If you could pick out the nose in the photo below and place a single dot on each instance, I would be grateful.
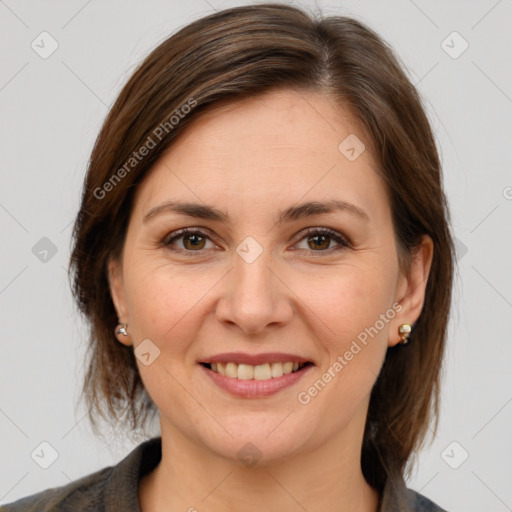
(254, 297)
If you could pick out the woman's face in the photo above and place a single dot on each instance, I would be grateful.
(255, 282)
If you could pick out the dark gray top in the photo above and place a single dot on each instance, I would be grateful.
(115, 489)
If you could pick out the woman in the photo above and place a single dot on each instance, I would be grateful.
(264, 256)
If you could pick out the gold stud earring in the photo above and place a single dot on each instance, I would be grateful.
(121, 329)
(404, 331)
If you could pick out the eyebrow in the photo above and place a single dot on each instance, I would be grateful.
(202, 211)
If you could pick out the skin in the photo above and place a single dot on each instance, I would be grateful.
(252, 159)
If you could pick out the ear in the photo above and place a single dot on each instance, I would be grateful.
(117, 292)
(411, 288)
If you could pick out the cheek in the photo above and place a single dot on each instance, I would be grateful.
(350, 300)
(164, 302)
(163, 306)
(354, 310)
(154, 304)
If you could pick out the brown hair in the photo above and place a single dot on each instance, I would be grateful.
(239, 53)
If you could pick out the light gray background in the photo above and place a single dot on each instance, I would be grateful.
(51, 111)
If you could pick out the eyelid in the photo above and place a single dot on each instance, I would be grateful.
(339, 237)
(204, 232)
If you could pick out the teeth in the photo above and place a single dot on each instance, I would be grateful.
(260, 372)
(232, 370)
(287, 368)
(245, 371)
(276, 369)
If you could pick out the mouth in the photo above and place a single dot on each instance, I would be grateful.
(266, 371)
(269, 375)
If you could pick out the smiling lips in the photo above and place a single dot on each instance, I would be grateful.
(259, 372)
(254, 376)
(237, 365)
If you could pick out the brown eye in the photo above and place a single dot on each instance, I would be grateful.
(192, 240)
(319, 240)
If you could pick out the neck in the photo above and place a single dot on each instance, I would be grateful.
(191, 477)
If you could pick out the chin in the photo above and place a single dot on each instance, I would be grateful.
(247, 441)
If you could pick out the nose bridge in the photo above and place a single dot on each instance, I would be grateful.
(252, 267)
(252, 277)
(254, 297)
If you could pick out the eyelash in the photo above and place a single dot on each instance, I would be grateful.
(330, 233)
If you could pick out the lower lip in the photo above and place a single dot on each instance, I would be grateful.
(252, 388)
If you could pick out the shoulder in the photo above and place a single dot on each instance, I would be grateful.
(397, 497)
(111, 488)
(83, 494)
(419, 503)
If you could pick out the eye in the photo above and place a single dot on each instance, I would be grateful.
(193, 240)
(319, 240)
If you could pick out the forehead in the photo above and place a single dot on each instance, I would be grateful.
(281, 145)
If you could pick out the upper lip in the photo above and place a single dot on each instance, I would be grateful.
(255, 359)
